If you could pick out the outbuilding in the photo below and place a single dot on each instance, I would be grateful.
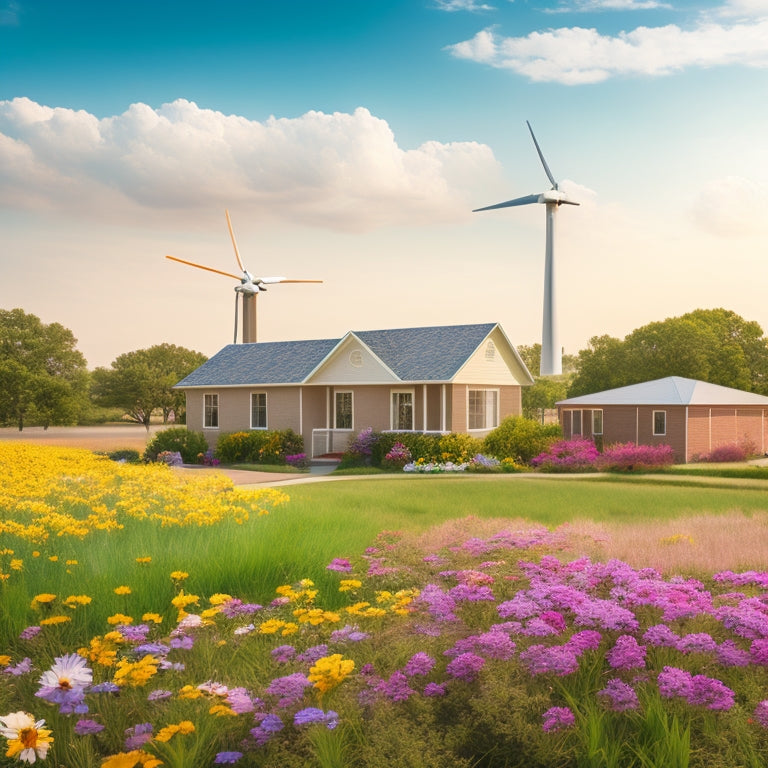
(694, 417)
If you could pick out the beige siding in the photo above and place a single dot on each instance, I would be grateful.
(352, 363)
(497, 369)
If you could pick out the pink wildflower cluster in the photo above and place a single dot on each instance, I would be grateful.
(628, 456)
(577, 455)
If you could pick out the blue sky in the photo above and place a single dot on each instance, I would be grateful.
(350, 142)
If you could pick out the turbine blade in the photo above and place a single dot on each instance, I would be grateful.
(200, 266)
(234, 242)
(527, 200)
(541, 157)
(270, 280)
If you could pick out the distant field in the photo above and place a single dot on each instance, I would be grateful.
(101, 438)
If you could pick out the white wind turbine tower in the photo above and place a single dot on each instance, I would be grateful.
(551, 351)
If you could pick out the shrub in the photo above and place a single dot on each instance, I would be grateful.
(459, 447)
(188, 444)
(298, 460)
(426, 447)
(360, 450)
(625, 457)
(125, 456)
(520, 439)
(171, 458)
(567, 456)
(397, 457)
(260, 446)
(729, 452)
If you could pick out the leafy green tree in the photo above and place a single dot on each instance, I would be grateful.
(544, 393)
(43, 377)
(714, 345)
(142, 381)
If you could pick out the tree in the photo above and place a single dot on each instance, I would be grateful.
(141, 382)
(544, 393)
(714, 345)
(43, 377)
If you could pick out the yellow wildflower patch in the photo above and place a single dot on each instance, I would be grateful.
(135, 674)
(330, 671)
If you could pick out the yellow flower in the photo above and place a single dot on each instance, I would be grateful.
(329, 671)
(135, 674)
(5, 660)
(131, 759)
(220, 710)
(143, 560)
(54, 558)
(43, 599)
(55, 620)
(190, 692)
(153, 617)
(218, 599)
(122, 590)
(270, 626)
(179, 575)
(166, 734)
(72, 562)
(119, 618)
(74, 600)
(16, 564)
(345, 585)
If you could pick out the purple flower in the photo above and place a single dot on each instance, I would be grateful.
(269, 725)
(661, 636)
(420, 663)
(185, 642)
(559, 659)
(696, 642)
(434, 689)
(137, 736)
(24, 666)
(339, 564)
(730, 655)
(465, 666)
(290, 688)
(311, 655)
(619, 695)
(627, 653)
(235, 607)
(348, 634)
(240, 701)
(87, 727)
(558, 719)
(159, 694)
(104, 688)
(396, 688)
(134, 634)
(154, 649)
(29, 633)
(227, 757)
(761, 713)
(283, 653)
(311, 715)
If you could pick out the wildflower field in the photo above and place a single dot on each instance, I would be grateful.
(147, 619)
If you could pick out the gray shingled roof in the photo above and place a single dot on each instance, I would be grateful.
(426, 354)
(279, 362)
(673, 390)
(412, 354)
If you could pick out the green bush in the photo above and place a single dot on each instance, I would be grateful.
(188, 444)
(425, 447)
(259, 446)
(459, 447)
(520, 439)
(125, 455)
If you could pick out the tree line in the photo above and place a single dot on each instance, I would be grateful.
(44, 379)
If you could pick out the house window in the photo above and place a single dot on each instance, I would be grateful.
(211, 411)
(402, 411)
(343, 415)
(483, 409)
(575, 423)
(258, 410)
(659, 422)
(597, 422)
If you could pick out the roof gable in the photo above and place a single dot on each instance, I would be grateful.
(351, 362)
(673, 390)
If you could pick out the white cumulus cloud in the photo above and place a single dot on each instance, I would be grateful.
(732, 207)
(340, 171)
(576, 55)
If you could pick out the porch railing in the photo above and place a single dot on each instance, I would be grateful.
(330, 441)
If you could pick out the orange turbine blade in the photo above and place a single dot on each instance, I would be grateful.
(200, 266)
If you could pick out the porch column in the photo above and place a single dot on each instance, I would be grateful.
(442, 407)
(424, 406)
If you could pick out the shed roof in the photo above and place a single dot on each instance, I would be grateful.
(672, 390)
(413, 354)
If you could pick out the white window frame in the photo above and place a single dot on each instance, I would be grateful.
(214, 409)
(655, 433)
(595, 431)
(581, 425)
(259, 394)
(490, 415)
(351, 408)
(393, 420)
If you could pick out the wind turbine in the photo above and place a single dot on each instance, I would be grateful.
(551, 351)
(249, 288)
